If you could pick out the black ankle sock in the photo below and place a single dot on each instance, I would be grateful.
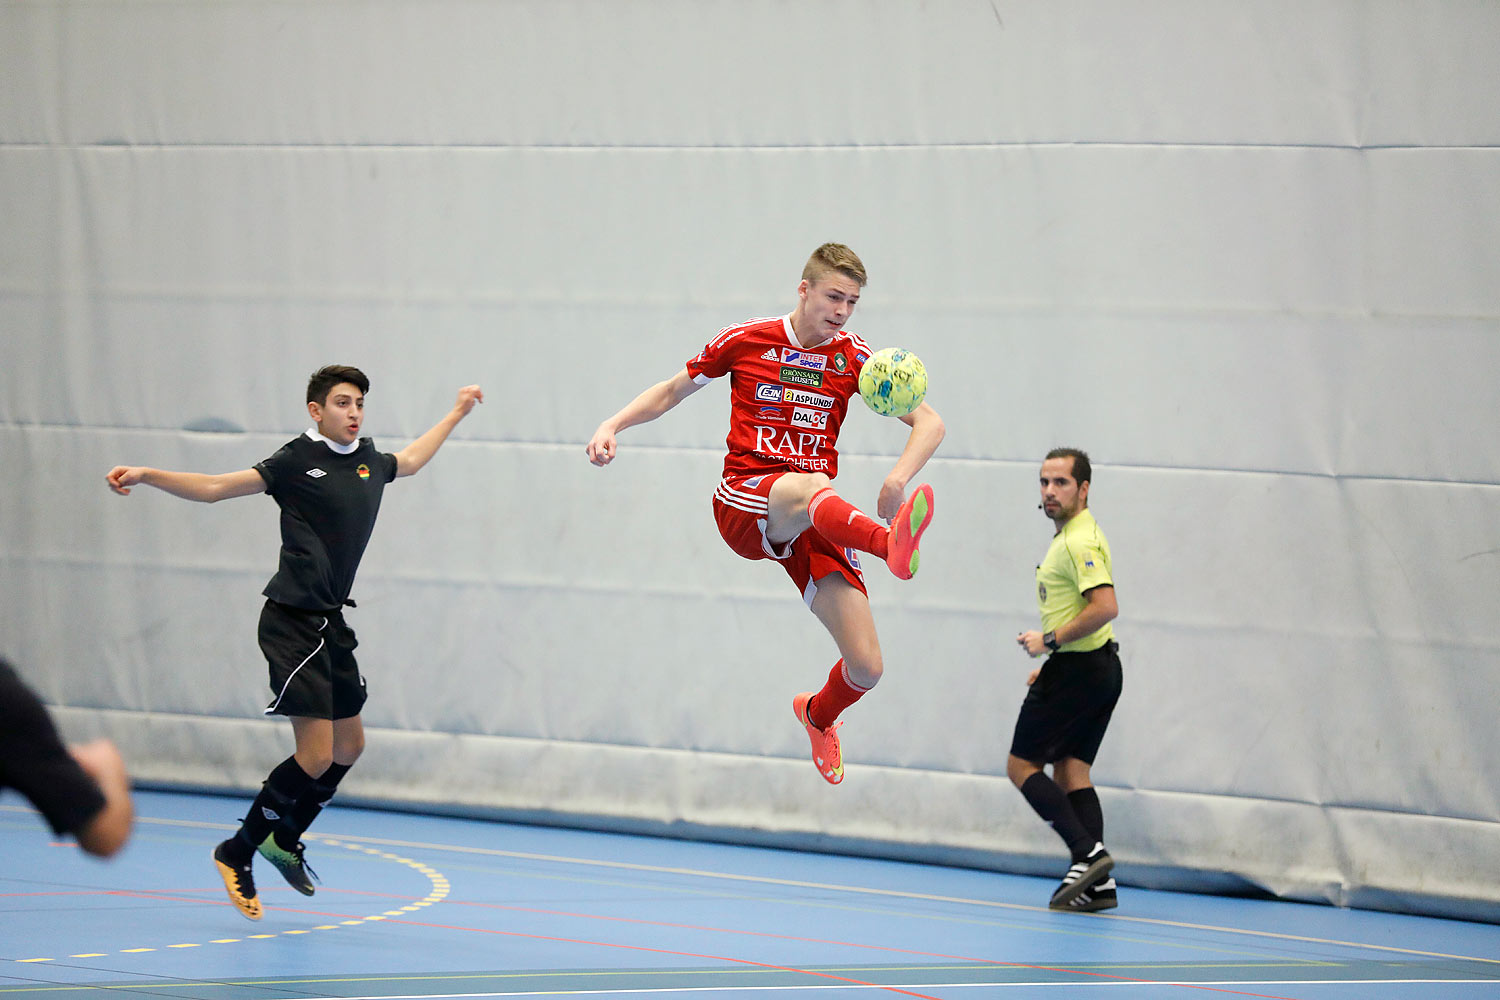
(235, 852)
(1049, 802)
(1085, 803)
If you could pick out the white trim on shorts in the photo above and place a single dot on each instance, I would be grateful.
(271, 708)
(753, 503)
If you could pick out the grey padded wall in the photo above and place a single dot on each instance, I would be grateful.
(1243, 253)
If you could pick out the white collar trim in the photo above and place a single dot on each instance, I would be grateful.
(342, 449)
(791, 336)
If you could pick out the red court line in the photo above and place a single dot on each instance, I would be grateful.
(326, 915)
(658, 951)
(322, 914)
(847, 944)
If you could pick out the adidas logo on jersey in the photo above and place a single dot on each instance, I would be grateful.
(316, 473)
(770, 355)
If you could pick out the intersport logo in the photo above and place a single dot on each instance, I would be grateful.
(801, 359)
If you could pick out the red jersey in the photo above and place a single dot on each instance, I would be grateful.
(786, 401)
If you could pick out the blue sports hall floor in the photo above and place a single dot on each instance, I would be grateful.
(423, 906)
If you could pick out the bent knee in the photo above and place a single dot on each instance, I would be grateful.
(805, 484)
(313, 764)
(865, 671)
(1019, 770)
(348, 752)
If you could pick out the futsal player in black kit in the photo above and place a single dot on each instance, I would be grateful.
(328, 483)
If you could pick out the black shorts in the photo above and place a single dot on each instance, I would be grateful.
(1068, 708)
(311, 656)
(35, 763)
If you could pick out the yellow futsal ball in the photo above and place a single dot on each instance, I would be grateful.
(893, 382)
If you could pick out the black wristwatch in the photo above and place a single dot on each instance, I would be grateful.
(1050, 641)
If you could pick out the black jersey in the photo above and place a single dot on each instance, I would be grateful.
(328, 505)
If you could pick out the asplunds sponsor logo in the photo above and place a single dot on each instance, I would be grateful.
(813, 419)
(769, 392)
(801, 397)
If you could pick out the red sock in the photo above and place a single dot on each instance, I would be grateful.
(844, 524)
(838, 694)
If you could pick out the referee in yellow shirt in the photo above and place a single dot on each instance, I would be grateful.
(1073, 693)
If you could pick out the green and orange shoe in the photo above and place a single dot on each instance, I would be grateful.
(906, 533)
(827, 756)
(292, 865)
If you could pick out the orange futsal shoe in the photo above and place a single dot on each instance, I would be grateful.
(906, 533)
(826, 754)
(239, 883)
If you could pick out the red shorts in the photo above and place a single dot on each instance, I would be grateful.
(740, 507)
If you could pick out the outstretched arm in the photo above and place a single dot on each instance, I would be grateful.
(644, 408)
(417, 454)
(187, 485)
(926, 434)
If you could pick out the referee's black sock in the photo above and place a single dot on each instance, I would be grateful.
(278, 797)
(1085, 802)
(1049, 802)
(310, 805)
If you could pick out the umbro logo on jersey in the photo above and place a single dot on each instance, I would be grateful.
(770, 355)
(316, 473)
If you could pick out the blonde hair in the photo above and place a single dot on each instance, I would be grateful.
(831, 257)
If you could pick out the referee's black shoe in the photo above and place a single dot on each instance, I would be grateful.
(292, 865)
(238, 882)
(1082, 876)
(1099, 896)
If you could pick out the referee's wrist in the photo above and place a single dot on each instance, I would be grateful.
(1049, 639)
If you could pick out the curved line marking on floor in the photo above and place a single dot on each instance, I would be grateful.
(439, 892)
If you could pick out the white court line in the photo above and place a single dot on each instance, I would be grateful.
(861, 890)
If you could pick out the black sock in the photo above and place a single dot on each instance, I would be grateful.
(310, 805)
(1052, 805)
(1085, 802)
(277, 799)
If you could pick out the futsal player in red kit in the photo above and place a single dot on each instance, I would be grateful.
(790, 382)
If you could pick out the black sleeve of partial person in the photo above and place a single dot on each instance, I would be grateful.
(34, 761)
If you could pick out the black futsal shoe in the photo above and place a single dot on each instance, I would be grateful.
(1101, 896)
(1083, 875)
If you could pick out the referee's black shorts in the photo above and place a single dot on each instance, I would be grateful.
(311, 658)
(1068, 708)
